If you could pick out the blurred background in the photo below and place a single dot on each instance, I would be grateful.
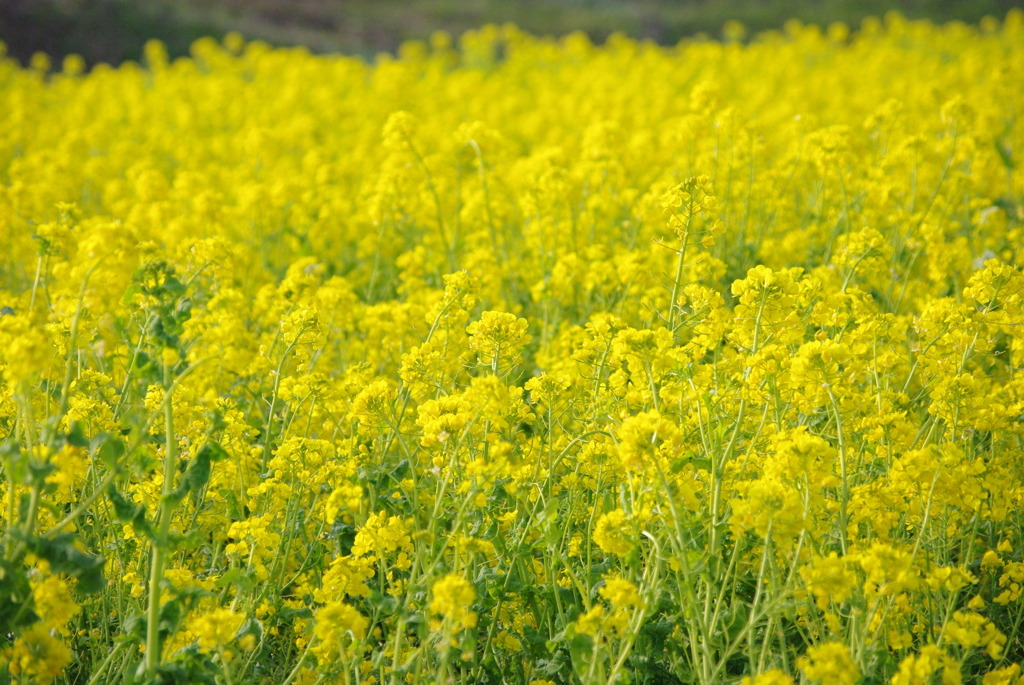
(115, 30)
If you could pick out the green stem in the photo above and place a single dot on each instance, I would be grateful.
(159, 544)
(672, 306)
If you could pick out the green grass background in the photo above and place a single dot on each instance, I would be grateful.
(115, 30)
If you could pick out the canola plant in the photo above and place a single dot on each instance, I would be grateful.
(517, 360)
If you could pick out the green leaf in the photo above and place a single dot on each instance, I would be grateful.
(126, 512)
(109, 450)
(234, 508)
(288, 614)
(64, 556)
(197, 472)
(75, 436)
(552, 666)
(171, 614)
(39, 470)
(386, 604)
(15, 597)
(250, 627)
(1005, 154)
(189, 666)
(237, 577)
(580, 649)
(15, 463)
(134, 626)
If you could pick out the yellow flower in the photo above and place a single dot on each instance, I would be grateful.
(346, 577)
(26, 349)
(969, 629)
(338, 626)
(1007, 675)
(37, 655)
(829, 579)
(452, 597)
(773, 676)
(755, 340)
(621, 593)
(216, 629)
(384, 536)
(498, 337)
(829, 662)
(918, 668)
(645, 439)
(613, 533)
(53, 602)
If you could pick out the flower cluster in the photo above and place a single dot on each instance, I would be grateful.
(517, 359)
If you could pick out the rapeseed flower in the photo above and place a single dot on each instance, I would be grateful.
(517, 359)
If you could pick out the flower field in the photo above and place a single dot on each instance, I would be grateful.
(517, 360)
